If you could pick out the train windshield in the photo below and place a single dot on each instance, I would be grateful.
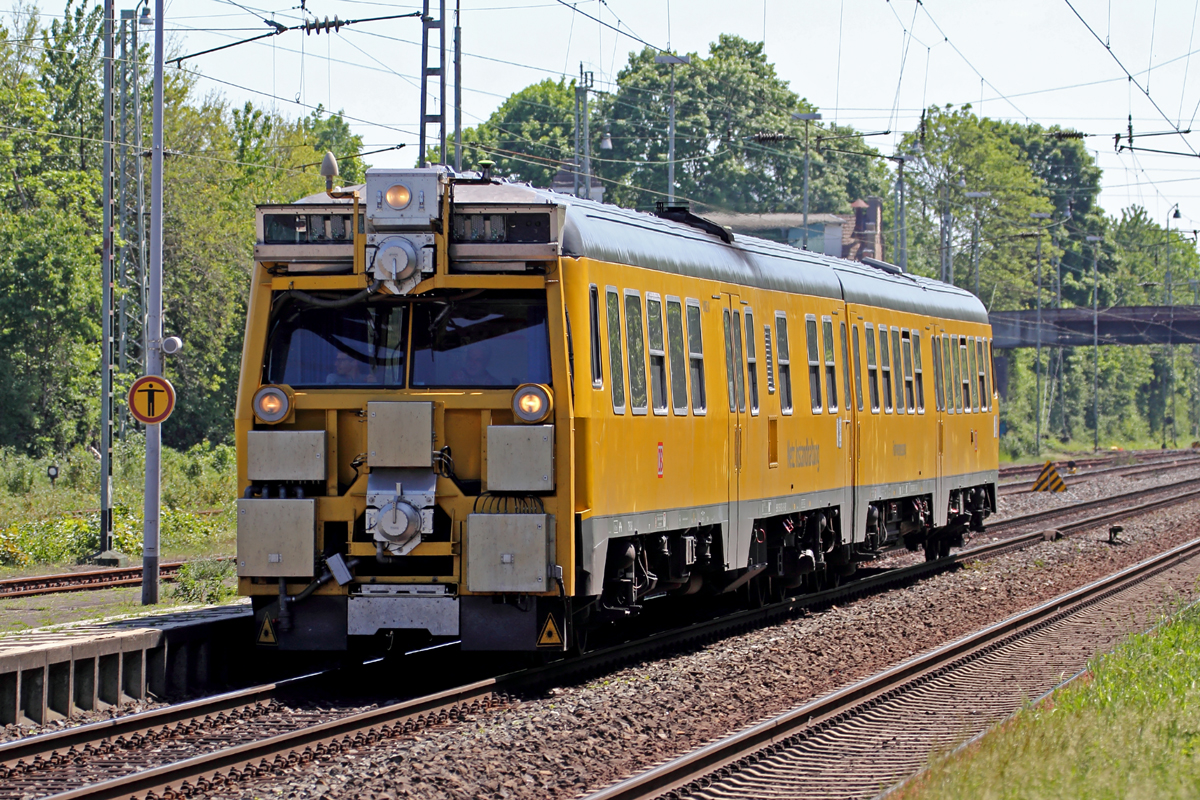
(495, 340)
(362, 345)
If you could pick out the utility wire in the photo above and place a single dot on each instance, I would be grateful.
(1129, 74)
(611, 27)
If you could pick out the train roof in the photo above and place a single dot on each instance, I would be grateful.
(619, 235)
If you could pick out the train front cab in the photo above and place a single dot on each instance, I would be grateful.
(404, 425)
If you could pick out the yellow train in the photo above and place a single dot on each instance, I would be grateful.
(478, 410)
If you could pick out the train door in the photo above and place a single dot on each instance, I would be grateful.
(943, 400)
(847, 434)
(735, 380)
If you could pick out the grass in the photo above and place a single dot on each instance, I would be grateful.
(44, 524)
(1130, 730)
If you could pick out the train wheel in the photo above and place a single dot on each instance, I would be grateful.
(757, 591)
(943, 547)
(932, 545)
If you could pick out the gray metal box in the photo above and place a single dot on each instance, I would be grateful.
(520, 458)
(509, 552)
(285, 455)
(423, 207)
(399, 434)
(276, 538)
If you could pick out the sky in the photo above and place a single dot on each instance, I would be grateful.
(1088, 65)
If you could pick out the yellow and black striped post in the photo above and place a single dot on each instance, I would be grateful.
(1048, 480)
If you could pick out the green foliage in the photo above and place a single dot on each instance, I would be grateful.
(205, 581)
(529, 137)
(1128, 731)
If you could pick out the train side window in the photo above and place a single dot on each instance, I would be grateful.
(951, 349)
(751, 363)
(966, 373)
(676, 345)
(657, 351)
(729, 361)
(983, 392)
(696, 357)
(845, 364)
(739, 371)
(814, 362)
(830, 365)
(612, 307)
(939, 398)
(990, 372)
(948, 371)
(898, 371)
(872, 369)
(918, 372)
(858, 390)
(783, 359)
(885, 366)
(974, 373)
(909, 392)
(594, 311)
(635, 347)
(770, 361)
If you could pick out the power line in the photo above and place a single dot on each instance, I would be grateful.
(1132, 80)
(629, 34)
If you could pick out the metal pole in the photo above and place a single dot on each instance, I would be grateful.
(457, 88)
(903, 263)
(671, 144)
(424, 77)
(154, 324)
(106, 277)
(575, 158)
(805, 184)
(442, 83)
(1095, 343)
(1037, 447)
(975, 251)
(587, 142)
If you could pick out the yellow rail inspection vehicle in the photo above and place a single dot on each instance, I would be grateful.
(477, 410)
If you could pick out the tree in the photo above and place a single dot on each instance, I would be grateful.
(530, 137)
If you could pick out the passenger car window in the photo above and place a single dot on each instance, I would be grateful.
(677, 345)
(658, 355)
(966, 373)
(830, 365)
(782, 349)
(983, 392)
(872, 369)
(814, 362)
(845, 363)
(898, 372)
(909, 390)
(612, 307)
(739, 372)
(596, 347)
(696, 357)
(858, 390)
(919, 372)
(729, 380)
(885, 366)
(751, 362)
(637, 353)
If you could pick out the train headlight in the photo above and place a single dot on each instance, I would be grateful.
(532, 402)
(271, 404)
(398, 196)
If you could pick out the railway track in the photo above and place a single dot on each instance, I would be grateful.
(1016, 487)
(1144, 458)
(77, 581)
(882, 729)
(181, 751)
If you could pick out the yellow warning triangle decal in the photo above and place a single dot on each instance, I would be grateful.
(550, 636)
(266, 633)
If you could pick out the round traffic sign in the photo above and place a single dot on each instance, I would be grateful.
(151, 399)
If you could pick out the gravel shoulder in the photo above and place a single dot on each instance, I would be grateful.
(578, 738)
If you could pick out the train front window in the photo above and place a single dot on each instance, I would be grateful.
(485, 341)
(363, 345)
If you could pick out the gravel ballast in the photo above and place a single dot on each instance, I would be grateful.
(579, 738)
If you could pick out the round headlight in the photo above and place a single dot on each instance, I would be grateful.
(271, 404)
(532, 403)
(398, 196)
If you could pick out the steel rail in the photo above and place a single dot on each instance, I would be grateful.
(727, 752)
(84, 580)
(1038, 517)
(213, 768)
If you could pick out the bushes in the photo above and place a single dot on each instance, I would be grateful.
(205, 581)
